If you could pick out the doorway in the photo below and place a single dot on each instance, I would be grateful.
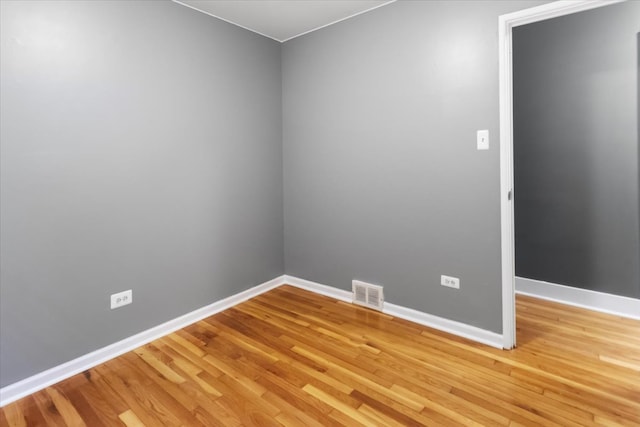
(506, 25)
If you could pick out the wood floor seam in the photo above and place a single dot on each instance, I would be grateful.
(290, 357)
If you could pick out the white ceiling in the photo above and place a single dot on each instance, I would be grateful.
(283, 20)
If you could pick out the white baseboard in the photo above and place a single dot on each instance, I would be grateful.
(592, 300)
(319, 288)
(58, 373)
(473, 333)
(44, 379)
(450, 326)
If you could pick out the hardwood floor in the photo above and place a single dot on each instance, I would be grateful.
(294, 358)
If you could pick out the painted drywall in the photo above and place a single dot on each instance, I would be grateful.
(382, 179)
(140, 150)
(576, 150)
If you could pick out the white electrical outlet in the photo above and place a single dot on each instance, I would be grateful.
(450, 282)
(121, 298)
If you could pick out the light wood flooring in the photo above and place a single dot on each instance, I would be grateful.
(294, 358)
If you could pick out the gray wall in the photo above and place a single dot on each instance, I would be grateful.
(382, 179)
(140, 150)
(576, 150)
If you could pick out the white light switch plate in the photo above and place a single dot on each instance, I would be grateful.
(483, 139)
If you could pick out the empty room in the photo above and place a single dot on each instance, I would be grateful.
(319, 213)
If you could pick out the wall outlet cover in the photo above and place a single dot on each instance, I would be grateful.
(121, 298)
(450, 282)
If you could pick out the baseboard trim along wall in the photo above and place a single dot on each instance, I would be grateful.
(61, 372)
(450, 326)
(592, 300)
(58, 373)
(318, 288)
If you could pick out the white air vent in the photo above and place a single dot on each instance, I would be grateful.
(367, 295)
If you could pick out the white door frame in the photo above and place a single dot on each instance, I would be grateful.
(506, 24)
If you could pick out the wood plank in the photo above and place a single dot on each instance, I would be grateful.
(338, 405)
(130, 419)
(290, 357)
